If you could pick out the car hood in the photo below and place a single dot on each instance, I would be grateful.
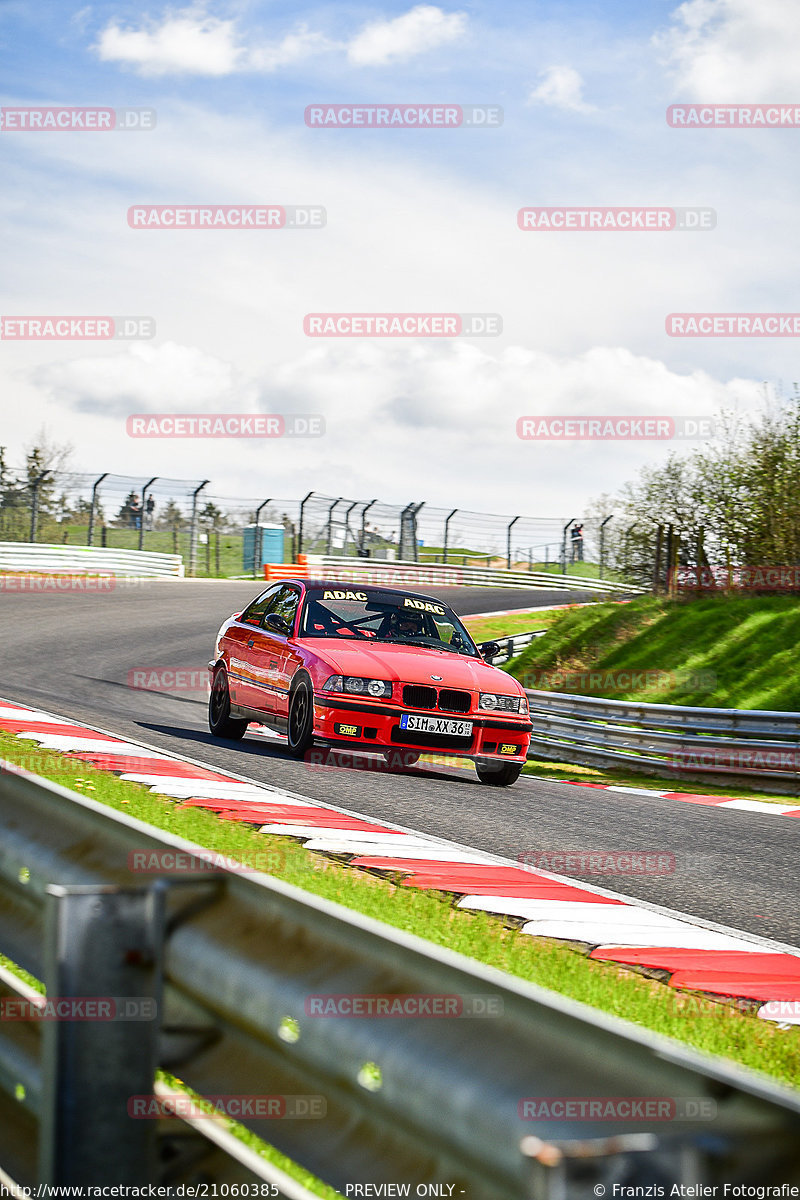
(412, 664)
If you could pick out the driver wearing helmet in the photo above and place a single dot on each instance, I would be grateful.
(403, 624)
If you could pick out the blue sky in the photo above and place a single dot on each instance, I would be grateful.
(417, 221)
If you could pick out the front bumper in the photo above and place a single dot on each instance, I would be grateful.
(366, 725)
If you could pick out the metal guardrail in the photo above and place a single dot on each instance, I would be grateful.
(403, 573)
(228, 964)
(86, 560)
(758, 746)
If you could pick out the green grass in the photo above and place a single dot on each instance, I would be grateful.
(722, 652)
(484, 628)
(714, 1027)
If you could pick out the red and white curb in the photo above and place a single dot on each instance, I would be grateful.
(699, 956)
(757, 806)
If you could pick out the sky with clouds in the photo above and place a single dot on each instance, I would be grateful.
(418, 220)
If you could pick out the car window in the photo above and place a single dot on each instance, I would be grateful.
(254, 613)
(285, 602)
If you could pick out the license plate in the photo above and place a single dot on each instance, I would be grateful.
(445, 725)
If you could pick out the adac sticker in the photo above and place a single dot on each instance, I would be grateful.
(342, 595)
(423, 606)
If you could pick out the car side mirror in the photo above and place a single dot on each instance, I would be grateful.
(489, 650)
(276, 623)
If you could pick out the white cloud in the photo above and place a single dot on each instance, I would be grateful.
(190, 42)
(561, 87)
(423, 28)
(728, 50)
(145, 378)
(185, 42)
(448, 408)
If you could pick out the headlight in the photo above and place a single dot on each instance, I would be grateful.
(356, 686)
(504, 703)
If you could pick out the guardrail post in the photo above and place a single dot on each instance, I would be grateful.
(193, 528)
(101, 942)
(92, 510)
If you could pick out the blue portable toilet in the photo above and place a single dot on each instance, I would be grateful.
(270, 551)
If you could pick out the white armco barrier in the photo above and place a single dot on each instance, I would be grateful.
(86, 560)
(411, 574)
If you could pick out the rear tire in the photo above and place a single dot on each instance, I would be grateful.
(300, 725)
(398, 760)
(502, 776)
(220, 721)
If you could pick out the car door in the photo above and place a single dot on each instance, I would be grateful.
(244, 651)
(287, 660)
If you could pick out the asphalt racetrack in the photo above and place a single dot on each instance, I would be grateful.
(72, 653)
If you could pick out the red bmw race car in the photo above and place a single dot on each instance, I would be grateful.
(367, 668)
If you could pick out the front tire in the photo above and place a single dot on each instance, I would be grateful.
(502, 776)
(300, 725)
(220, 721)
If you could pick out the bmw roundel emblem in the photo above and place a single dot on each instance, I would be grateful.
(438, 677)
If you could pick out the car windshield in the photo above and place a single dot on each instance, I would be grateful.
(357, 614)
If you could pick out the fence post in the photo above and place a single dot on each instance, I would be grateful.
(97, 483)
(143, 517)
(603, 543)
(303, 503)
(564, 545)
(257, 534)
(35, 485)
(627, 536)
(329, 549)
(447, 534)
(193, 528)
(363, 542)
(347, 528)
(508, 541)
(101, 942)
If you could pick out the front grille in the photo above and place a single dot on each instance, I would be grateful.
(432, 741)
(450, 701)
(417, 696)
